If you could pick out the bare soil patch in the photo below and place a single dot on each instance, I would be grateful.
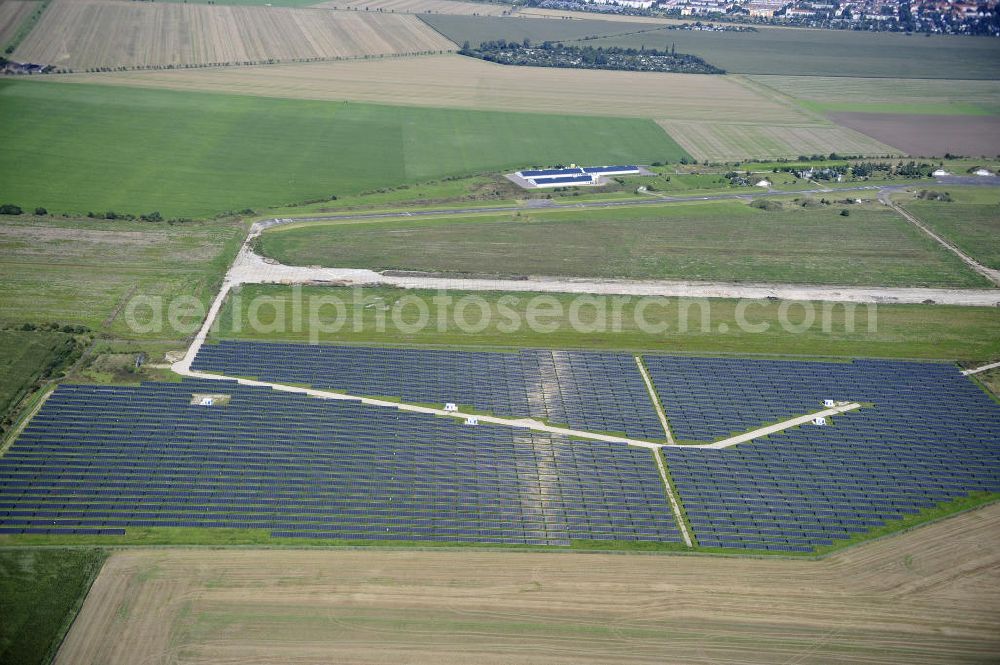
(929, 596)
(928, 135)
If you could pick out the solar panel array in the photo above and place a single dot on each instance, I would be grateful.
(550, 172)
(100, 459)
(566, 179)
(713, 398)
(931, 436)
(585, 390)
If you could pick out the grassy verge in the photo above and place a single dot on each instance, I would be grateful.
(88, 271)
(372, 317)
(971, 220)
(41, 592)
(671, 488)
(27, 360)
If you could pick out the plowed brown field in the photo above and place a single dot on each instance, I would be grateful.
(929, 596)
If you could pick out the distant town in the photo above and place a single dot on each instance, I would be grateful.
(929, 16)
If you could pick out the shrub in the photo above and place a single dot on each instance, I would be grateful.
(766, 204)
(10, 209)
(845, 213)
(41, 212)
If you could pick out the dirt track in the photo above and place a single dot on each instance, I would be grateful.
(932, 595)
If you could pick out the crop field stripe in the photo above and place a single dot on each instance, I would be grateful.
(13, 15)
(420, 7)
(454, 81)
(85, 34)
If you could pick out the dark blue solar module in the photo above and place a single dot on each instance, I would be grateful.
(99, 459)
(562, 179)
(585, 390)
(609, 169)
(931, 435)
(547, 172)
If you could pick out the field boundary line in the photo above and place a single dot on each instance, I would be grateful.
(674, 503)
(657, 404)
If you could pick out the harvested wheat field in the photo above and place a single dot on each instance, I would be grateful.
(12, 14)
(421, 7)
(86, 34)
(930, 596)
(454, 81)
(733, 141)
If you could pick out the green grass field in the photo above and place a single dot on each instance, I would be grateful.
(85, 271)
(41, 590)
(26, 357)
(899, 331)
(81, 148)
(971, 221)
(879, 95)
(794, 52)
(709, 241)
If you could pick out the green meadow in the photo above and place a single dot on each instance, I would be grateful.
(728, 241)
(82, 148)
(387, 317)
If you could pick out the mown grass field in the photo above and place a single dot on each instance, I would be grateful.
(788, 52)
(92, 148)
(41, 591)
(971, 221)
(84, 34)
(26, 357)
(899, 331)
(85, 272)
(728, 241)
